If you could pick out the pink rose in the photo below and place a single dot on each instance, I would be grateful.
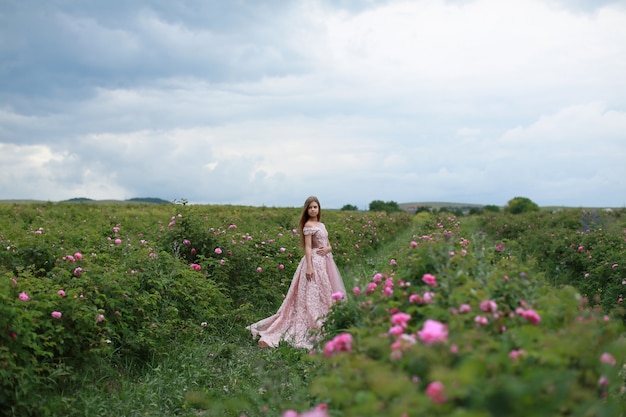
(337, 296)
(532, 316)
(400, 319)
(465, 308)
(340, 343)
(488, 306)
(416, 298)
(56, 314)
(435, 392)
(430, 279)
(24, 297)
(608, 358)
(433, 332)
(396, 330)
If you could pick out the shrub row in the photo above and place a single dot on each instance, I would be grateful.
(80, 282)
(457, 324)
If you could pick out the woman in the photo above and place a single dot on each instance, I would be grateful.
(310, 294)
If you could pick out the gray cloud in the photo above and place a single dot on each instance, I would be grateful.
(267, 102)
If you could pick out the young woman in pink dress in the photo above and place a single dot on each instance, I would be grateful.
(310, 294)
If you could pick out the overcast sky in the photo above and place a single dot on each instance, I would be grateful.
(267, 102)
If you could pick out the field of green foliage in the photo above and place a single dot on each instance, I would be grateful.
(139, 309)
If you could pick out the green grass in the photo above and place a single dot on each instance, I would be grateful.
(226, 375)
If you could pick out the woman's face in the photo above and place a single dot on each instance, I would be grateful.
(313, 209)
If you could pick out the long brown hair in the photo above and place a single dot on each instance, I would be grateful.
(304, 217)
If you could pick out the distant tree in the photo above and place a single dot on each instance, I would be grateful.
(389, 206)
(349, 207)
(519, 205)
(492, 208)
(80, 199)
(148, 200)
(423, 209)
(475, 210)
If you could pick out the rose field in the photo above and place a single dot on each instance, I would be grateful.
(136, 309)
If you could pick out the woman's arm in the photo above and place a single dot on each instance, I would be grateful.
(307, 254)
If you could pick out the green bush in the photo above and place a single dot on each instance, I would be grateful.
(507, 344)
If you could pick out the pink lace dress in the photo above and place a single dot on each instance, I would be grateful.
(306, 302)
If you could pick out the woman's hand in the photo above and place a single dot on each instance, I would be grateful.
(323, 251)
(309, 274)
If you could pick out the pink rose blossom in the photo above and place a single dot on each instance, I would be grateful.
(400, 319)
(118, 241)
(356, 291)
(78, 256)
(24, 297)
(608, 358)
(481, 320)
(429, 279)
(195, 266)
(516, 353)
(435, 392)
(433, 332)
(100, 318)
(416, 298)
(465, 308)
(340, 343)
(61, 293)
(396, 330)
(259, 269)
(392, 262)
(186, 242)
(337, 296)
(532, 316)
(413, 244)
(78, 271)
(488, 306)
(218, 251)
(56, 314)
(428, 297)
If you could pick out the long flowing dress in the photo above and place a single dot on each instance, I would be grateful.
(306, 302)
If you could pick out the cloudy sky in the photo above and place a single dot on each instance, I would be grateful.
(260, 102)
